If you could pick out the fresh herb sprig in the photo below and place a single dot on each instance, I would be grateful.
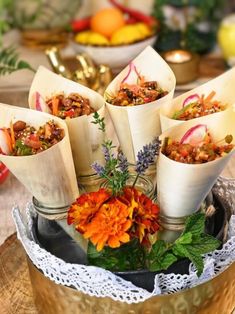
(9, 61)
(192, 244)
(146, 157)
(115, 170)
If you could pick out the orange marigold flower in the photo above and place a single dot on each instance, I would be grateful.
(144, 213)
(110, 225)
(85, 207)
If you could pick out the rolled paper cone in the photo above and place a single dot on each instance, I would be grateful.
(223, 85)
(49, 175)
(86, 138)
(138, 125)
(181, 188)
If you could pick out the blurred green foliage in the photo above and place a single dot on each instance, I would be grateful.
(9, 58)
(193, 36)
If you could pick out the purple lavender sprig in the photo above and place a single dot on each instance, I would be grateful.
(107, 150)
(146, 157)
(115, 170)
(99, 169)
(122, 162)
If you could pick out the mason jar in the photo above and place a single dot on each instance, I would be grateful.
(143, 184)
(90, 183)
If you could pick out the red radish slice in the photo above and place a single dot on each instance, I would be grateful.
(195, 136)
(5, 142)
(191, 99)
(131, 68)
(40, 104)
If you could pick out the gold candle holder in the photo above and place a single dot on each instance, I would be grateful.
(54, 57)
(184, 64)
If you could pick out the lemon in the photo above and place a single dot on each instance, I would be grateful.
(91, 38)
(130, 33)
(226, 36)
(143, 29)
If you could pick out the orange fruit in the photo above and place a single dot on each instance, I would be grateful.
(107, 21)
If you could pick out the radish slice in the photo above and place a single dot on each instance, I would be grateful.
(195, 136)
(40, 104)
(5, 142)
(191, 99)
(131, 68)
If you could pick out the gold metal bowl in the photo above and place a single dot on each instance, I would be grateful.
(214, 296)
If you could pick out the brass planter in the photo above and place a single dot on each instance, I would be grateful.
(215, 296)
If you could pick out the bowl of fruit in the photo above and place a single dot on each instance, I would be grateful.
(114, 35)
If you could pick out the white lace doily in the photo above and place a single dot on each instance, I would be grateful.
(98, 282)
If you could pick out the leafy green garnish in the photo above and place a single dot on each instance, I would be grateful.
(192, 244)
(177, 114)
(9, 61)
(22, 150)
(159, 257)
(99, 121)
(130, 256)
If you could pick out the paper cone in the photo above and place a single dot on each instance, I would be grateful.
(181, 188)
(85, 137)
(223, 85)
(49, 175)
(138, 125)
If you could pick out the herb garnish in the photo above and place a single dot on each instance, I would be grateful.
(115, 170)
(192, 244)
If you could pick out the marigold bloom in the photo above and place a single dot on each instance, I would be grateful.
(85, 207)
(112, 221)
(144, 213)
(110, 225)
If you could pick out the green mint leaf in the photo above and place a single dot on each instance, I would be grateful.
(162, 262)
(195, 224)
(179, 250)
(158, 249)
(159, 258)
(205, 244)
(192, 254)
(200, 245)
(185, 238)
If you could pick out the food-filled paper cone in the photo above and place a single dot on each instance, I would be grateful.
(85, 137)
(49, 175)
(223, 85)
(138, 125)
(181, 187)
